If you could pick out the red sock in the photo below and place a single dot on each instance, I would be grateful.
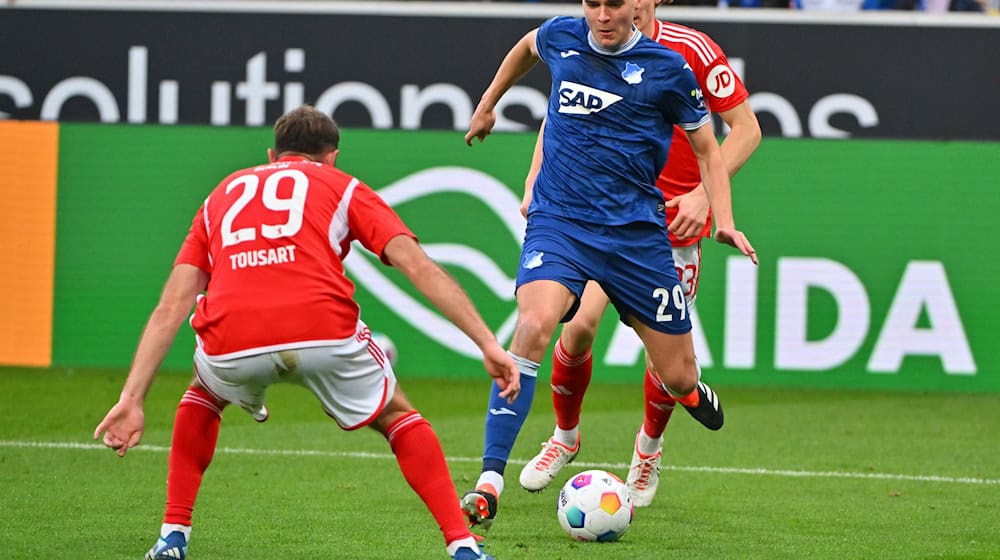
(421, 460)
(196, 429)
(570, 378)
(659, 405)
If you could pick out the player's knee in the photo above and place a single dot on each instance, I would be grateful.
(680, 376)
(578, 337)
(533, 334)
(397, 407)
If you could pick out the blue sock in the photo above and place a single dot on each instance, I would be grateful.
(504, 420)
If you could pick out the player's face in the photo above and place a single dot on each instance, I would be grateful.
(645, 12)
(610, 21)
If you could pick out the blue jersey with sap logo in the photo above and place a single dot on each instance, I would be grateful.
(609, 124)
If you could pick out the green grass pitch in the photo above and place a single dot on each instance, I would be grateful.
(795, 474)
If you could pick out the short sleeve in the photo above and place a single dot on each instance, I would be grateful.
(373, 222)
(542, 37)
(690, 111)
(722, 88)
(194, 250)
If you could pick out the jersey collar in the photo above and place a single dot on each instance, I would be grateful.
(633, 40)
(293, 157)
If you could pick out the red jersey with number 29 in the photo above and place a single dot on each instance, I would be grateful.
(273, 239)
(722, 89)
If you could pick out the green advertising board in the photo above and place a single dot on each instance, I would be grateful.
(875, 263)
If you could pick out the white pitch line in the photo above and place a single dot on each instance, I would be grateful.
(616, 466)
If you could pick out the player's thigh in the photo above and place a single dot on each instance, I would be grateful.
(671, 355)
(578, 334)
(541, 304)
(641, 281)
(352, 380)
(553, 272)
(242, 381)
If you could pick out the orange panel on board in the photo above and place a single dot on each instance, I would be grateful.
(28, 164)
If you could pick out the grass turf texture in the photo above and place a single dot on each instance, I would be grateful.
(347, 499)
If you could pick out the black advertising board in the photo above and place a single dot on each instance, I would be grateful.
(399, 71)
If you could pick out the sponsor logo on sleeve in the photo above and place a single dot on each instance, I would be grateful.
(697, 94)
(721, 81)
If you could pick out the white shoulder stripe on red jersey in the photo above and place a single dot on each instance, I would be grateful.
(340, 225)
(204, 216)
(677, 34)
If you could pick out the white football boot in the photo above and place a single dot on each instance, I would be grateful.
(544, 467)
(643, 476)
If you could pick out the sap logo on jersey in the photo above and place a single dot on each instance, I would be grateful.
(578, 99)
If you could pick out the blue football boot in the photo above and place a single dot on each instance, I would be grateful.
(171, 547)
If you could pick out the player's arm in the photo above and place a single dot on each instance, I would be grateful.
(716, 182)
(521, 58)
(404, 253)
(536, 166)
(737, 147)
(743, 138)
(123, 425)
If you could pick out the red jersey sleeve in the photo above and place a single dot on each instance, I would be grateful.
(195, 250)
(373, 222)
(720, 85)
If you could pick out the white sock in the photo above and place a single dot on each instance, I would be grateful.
(647, 445)
(566, 437)
(492, 478)
(467, 542)
(168, 528)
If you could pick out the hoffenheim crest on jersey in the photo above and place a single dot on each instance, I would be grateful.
(632, 73)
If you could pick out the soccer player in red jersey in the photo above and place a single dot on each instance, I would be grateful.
(688, 215)
(266, 248)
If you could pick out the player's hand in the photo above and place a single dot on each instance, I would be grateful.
(122, 427)
(503, 370)
(735, 238)
(480, 125)
(692, 213)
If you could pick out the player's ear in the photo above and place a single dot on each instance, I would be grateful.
(330, 158)
(271, 156)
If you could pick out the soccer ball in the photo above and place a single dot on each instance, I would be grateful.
(595, 506)
(388, 347)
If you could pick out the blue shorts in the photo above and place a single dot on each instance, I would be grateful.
(633, 264)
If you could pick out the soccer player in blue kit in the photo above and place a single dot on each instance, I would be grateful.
(596, 213)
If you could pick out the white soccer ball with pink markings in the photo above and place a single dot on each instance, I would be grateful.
(595, 506)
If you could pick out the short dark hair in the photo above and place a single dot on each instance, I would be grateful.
(306, 130)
